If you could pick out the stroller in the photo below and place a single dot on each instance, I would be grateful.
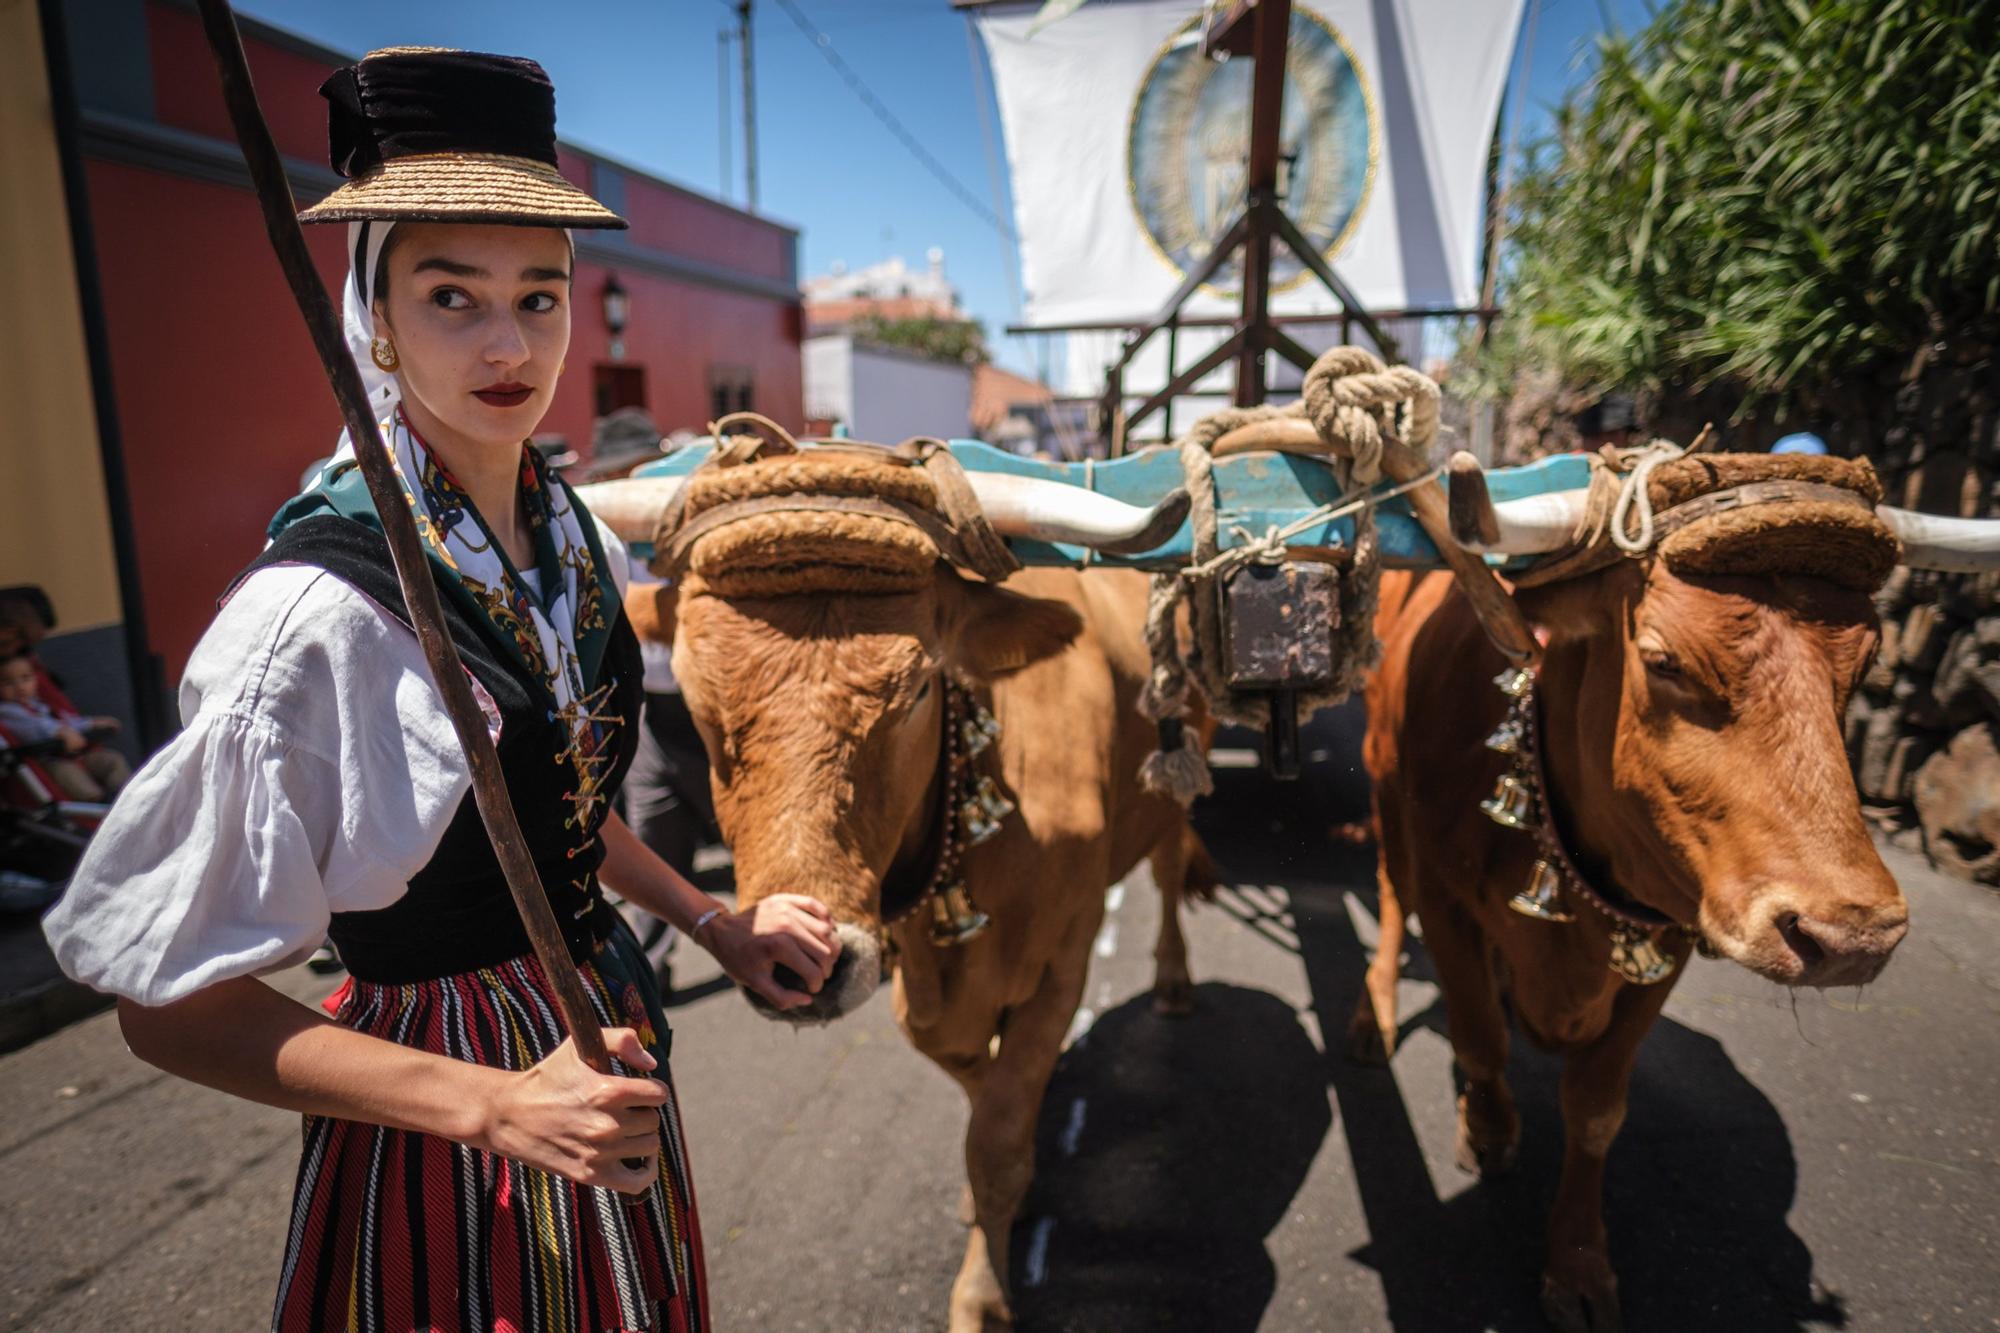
(42, 836)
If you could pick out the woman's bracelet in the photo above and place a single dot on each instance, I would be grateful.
(694, 931)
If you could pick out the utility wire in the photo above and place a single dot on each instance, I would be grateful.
(824, 45)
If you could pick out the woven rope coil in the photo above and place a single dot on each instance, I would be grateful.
(786, 555)
(791, 553)
(817, 474)
(1829, 532)
(766, 518)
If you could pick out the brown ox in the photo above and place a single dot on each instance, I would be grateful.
(1693, 752)
(822, 715)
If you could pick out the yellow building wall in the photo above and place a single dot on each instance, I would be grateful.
(55, 527)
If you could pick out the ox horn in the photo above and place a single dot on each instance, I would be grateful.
(1536, 524)
(631, 506)
(1950, 545)
(1055, 511)
(1533, 524)
(1050, 511)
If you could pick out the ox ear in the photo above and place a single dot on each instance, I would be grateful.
(651, 607)
(989, 632)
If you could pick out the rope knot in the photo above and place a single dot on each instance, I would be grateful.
(1353, 399)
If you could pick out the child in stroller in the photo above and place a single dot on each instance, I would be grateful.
(41, 837)
(83, 769)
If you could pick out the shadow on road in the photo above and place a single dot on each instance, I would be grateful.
(1698, 1185)
(1181, 1144)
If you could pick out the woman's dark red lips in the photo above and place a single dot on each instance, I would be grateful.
(507, 394)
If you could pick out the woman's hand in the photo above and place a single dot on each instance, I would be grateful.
(786, 930)
(564, 1117)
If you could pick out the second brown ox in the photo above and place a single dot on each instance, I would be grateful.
(1694, 768)
(820, 655)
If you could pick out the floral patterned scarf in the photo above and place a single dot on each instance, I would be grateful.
(557, 631)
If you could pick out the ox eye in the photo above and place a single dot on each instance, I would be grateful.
(923, 693)
(1661, 663)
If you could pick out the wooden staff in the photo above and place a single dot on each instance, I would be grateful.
(489, 787)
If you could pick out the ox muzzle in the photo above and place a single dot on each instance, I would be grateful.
(856, 973)
(1798, 937)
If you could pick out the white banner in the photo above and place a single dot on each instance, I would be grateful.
(1127, 150)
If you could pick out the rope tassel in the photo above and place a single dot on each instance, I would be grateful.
(1176, 770)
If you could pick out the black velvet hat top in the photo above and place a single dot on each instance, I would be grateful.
(426, 134)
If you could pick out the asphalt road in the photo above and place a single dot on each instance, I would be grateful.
(1812, 1161)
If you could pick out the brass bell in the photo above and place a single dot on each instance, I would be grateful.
(1637, 957)
(1507, 737)
(992, 800)
(975, 823)
(954, 919)
(1516, 682)
(977, 732)
(1542, 899)
(1511, 804)
(981, 813)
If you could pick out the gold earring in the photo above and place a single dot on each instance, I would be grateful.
(383, 353)
(561, 368)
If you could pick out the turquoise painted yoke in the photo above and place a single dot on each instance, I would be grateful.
(1254, 494)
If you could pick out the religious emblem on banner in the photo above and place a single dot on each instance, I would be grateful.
(1189, 147)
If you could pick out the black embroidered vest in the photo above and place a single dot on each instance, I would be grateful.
(458, 915)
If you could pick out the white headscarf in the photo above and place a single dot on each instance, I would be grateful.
(357, 317)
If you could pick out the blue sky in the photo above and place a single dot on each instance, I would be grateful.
(638, 79)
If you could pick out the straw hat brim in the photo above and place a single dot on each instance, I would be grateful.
(464, 187)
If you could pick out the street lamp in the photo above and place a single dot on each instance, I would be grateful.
(617, 310)
(617, 304)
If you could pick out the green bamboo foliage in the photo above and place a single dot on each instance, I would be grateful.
(1772, 197)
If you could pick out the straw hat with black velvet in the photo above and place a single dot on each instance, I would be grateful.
(427, 134)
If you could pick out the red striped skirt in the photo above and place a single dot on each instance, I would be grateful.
(394, 1231)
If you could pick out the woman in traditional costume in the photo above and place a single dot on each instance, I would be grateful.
(463, 1169)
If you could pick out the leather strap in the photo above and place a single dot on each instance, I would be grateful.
(980, 548)
(1599, 553)
(1549, 834)
(1754, 493)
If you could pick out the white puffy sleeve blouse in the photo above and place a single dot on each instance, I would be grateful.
(316, 772)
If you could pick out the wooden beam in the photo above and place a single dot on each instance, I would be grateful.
(1170, 309)
(1286, 346)
(1180, 383)
(1295, 241)
(1271, 35)
(1216, 321)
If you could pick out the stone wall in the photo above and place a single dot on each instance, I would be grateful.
(1924, 729)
